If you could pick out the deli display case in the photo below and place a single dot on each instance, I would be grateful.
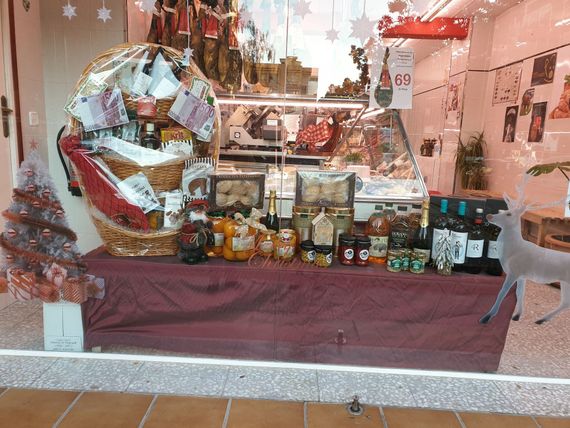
(283, 135)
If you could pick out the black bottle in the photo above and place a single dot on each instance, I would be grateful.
(474, 259)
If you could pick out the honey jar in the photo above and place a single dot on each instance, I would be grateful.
(308, 251)
(323, 255)
(266, 242)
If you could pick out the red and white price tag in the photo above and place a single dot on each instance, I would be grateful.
(400, 67)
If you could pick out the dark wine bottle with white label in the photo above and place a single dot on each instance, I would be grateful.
(474, 260)
(440, 228)
(459, 235)
(492, 256)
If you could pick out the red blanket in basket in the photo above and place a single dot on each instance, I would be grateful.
(102, 192)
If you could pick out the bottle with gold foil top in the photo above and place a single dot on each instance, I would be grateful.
(423, 236)
(271, 219)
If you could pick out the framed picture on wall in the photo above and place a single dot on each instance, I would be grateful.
(536, 130)
(562, 109)
(543, 70)
(507, 83)
(511, 115)
(526, 102)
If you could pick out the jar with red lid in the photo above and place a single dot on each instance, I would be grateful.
(362, 250)
(346, 245)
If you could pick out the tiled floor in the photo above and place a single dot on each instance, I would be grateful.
(286, 384)
(31, 408)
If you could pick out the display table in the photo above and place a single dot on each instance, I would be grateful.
(294, 313)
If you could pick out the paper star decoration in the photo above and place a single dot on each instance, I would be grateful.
(332, 35)
(302, 8)
(147, 6)
(361, 28)
(103, 13)
(188, 53)
(34, 144)
(69, 11)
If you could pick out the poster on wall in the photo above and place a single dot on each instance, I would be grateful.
(392, 78)
(507, 83)
(526, 103)
(510, 126)
(543, 70)
(562, 109)
(454, 102)
(537, 122)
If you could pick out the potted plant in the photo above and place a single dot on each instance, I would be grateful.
(470, 162)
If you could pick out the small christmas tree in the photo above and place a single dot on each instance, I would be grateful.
(444, 258)
(39, 249)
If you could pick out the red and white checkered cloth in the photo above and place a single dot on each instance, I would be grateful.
(314, 134)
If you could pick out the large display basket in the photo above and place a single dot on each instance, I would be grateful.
(120, 68)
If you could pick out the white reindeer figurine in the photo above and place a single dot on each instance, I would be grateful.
(523, 260)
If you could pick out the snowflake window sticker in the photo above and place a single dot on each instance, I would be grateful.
(103, 13)
(69, 11)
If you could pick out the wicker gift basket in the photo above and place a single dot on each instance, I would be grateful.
(120, 68)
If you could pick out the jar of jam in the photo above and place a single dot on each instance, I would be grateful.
(362, 250)
(346, 244)
(308, 251)
(323, 255)
(285, 245)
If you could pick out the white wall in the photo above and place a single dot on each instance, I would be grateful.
(522, 32)
(30, 76)
(67, 47)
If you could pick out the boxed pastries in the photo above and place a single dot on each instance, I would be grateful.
(236, 191)
(325, 189)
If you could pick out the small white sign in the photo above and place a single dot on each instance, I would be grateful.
(63, 343)
(392, 78)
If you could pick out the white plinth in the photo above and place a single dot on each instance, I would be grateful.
(63, 327)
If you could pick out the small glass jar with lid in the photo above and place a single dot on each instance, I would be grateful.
(308, 251)
(362, 250)
(324, 255)
(346, 250)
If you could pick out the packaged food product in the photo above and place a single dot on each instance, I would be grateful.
(239, 241)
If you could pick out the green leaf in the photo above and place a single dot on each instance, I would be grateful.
(547, 168)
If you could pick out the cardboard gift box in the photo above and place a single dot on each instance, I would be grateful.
(22, 284)
(74, 291)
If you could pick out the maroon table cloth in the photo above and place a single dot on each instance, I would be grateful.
(345, 315)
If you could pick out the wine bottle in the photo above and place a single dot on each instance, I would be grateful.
(271, 219)
(459, 235)
(149, 140)
(440, 228)
(492, 260)
(399, 230)
(384, 90)
(423, 236)
(475, 245)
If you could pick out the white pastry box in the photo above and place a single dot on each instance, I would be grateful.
(63, 327)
